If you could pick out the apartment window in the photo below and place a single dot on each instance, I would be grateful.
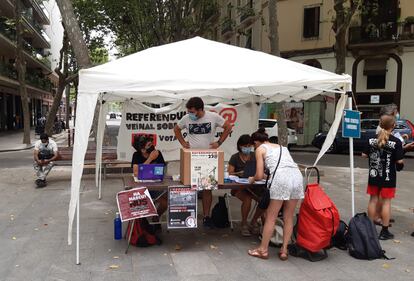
(376, 81)
(311, 22)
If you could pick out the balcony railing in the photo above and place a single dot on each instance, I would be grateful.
(227, 26)
(8, 70)
(38, 82)
(34, 53)
(7, 29)
(385, 32)
(246, 12)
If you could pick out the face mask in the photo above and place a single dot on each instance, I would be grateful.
(246, 150)
(150, 149)
(397, 116)
(193, 116)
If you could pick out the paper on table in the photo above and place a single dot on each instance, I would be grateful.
(246, 181)
(137, 180)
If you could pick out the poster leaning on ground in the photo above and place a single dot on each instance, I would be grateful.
(135, 203)
(182, 207)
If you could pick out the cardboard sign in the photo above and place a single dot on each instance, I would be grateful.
(135, 203)
(204, 173)
(182, 207)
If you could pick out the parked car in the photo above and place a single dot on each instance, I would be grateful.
(368, 130)
(272, 130)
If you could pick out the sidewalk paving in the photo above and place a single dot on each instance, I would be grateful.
(33, 235)
(12, 141)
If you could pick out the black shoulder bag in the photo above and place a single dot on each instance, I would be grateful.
(265, 200)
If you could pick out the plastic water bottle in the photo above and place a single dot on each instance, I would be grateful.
(117, 227)
(226, 174)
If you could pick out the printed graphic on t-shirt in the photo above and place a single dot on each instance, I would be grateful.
(382, 162)
(199, 129)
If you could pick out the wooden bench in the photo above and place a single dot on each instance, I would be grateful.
(109, 159)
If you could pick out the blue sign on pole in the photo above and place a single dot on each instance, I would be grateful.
(351, 124)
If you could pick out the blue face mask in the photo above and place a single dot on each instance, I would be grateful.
(246, 150)
(193, 116)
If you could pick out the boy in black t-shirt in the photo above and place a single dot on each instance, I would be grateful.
(385, 155)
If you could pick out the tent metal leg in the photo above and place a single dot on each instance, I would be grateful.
(351, 160)
(77, 232)
(100, 182)
(130, 235)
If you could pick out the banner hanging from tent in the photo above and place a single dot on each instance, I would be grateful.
(139, 119)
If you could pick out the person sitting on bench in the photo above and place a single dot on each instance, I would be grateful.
(45, 152)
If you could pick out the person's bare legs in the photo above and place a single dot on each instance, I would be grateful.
(271, 215)
(372, 207)
(245, 206)
(162, 205)
(377, 217)
(207, 200)
(289, 208)
(386, 211)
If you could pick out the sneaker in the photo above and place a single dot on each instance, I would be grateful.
(245, 230)
(385, 234)
(207, 222)
(254, 229)
(40, 183)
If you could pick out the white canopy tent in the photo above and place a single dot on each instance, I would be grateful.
(174, 72)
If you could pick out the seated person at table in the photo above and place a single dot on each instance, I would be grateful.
(236, 167)
(147, 154)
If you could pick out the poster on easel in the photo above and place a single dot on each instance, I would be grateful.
(204, 173)
(182, 207)
(135, 203)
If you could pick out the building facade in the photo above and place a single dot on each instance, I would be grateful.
(36, 53)
(380, 51)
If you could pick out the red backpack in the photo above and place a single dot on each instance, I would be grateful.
(318, 219)
(143, 234)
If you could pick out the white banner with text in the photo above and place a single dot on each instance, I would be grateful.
(139, 119)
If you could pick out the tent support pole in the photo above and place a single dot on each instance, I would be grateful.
(351, 159)
(77, 231)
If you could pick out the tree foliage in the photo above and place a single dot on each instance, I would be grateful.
(137, 25)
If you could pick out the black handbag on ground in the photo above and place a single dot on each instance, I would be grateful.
(265, 200)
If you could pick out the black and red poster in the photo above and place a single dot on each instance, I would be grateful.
(135, 203)
(182, 207)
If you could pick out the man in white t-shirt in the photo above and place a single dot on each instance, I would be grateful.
(45, 152)
(201, 128)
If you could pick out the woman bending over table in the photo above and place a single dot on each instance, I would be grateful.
(286, 188)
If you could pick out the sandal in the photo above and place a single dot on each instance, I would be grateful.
(257, 253)
(283, 256)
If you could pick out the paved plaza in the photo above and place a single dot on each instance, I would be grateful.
(33, 235)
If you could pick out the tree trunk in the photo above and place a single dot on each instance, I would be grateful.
(63, 63)
(273, 28)
(340, 51)
(75, 106)
(342, 21)
(21, 73)
(282, 131)
(74, 33)
(50, 121)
